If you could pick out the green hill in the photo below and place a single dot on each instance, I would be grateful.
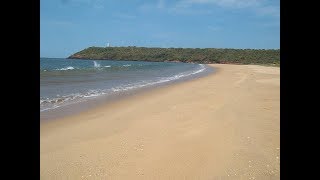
(189, 55)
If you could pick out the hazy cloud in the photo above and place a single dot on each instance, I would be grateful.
(214, 28)
(161, 4)
(271, 24)
(60, 23)
(96, 4)
(269, 10)
(64, 1)
(261, 7)
(223, 3)
(189, 11)
(156, 5)
(123, 16)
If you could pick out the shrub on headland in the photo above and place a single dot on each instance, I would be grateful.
(188, 55)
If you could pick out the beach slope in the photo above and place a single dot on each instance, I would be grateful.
(222, 126)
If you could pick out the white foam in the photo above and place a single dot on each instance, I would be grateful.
(107, 66)
(66, 68)
(52, 103)
(59, 101)
(95, 64)
(127, 65)
(162, 80)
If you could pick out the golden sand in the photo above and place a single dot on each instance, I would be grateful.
(222, 126)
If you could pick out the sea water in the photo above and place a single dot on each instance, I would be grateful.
(64, 82)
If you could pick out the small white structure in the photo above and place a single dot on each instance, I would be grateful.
(108, 44)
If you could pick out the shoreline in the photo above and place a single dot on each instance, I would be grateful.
(93, 102)
(177, 61)
(223, 125)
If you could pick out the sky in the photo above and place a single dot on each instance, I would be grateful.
(68, 26)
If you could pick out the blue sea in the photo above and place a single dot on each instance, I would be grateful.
(64, 82)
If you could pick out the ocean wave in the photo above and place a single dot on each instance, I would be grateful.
(126, 65)
(52, 103)
(96, 64)
(76, 68)
(162, 80)
(59, 101)
(66, 68)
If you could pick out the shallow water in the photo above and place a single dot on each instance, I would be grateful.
(65, 82)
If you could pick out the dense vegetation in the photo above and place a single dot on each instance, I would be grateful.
(196, 55)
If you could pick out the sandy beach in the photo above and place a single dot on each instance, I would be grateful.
(222, 126)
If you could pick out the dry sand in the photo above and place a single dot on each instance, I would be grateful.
(222, 126)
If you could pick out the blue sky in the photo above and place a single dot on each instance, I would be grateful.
(68, 26)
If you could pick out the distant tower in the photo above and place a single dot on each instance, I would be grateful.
(108, 44)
